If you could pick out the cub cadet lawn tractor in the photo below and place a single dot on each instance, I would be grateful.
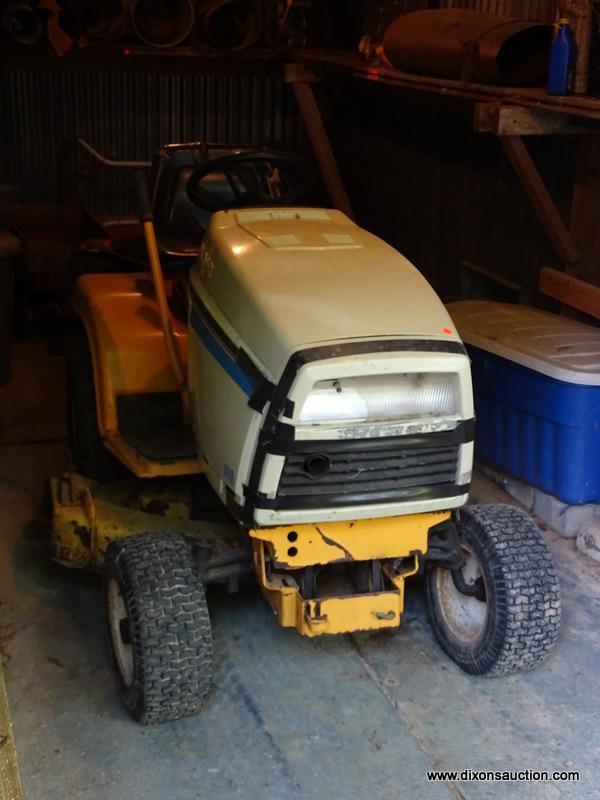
(311, 374)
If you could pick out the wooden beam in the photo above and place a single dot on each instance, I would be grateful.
(298, 73)
(317, 133)
(585, 210)
(477, 281)
(492, 276)
(540, 198)
(513, 120)
(580, 295)
(10, 782)
(581, 22)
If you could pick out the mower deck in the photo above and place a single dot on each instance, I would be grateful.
(87, 516)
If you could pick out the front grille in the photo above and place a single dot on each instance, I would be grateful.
(372, 469)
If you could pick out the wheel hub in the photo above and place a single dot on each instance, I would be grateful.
(462, 598)
(120, 631)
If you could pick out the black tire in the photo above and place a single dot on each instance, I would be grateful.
(90, 456)
(514, 624)
(168, 667)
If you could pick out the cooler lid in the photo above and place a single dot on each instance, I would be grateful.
(561, 348)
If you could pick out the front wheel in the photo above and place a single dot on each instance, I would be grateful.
(158, 626)
(499, 613)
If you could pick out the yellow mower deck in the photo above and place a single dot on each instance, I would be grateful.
(87, 516)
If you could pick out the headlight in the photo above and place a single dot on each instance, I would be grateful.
(379, 397)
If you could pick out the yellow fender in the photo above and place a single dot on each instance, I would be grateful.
(129, 355)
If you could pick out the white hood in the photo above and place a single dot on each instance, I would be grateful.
(289, 278)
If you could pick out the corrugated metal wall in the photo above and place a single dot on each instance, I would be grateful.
(128, 116)
(540, 10)
(423, 180)
(417, 176)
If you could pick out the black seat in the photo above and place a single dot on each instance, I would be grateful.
(181, 223)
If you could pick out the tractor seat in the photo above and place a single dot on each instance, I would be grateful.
(181, 223)
(173, 245)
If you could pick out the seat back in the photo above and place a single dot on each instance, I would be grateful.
(174, 211)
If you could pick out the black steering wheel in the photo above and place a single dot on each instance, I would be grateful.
(252, 178)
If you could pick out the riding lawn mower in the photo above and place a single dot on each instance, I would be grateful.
(297, 408)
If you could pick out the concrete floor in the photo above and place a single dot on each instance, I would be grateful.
(350, 717)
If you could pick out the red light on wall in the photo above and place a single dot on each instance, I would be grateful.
(447, 330)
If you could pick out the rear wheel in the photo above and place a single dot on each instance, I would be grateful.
(87, 448)
(499, 613)
(158, 626)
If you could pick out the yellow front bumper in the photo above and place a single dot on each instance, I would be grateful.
(278, 551)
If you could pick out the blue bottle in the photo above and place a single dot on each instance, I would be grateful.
(562, 60)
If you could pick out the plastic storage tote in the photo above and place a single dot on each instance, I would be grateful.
(536, 379)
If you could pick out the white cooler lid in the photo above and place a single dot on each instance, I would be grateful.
(561, 348)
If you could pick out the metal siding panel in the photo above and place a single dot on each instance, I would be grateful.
(440, 193)
(129, 116)
(540, 10)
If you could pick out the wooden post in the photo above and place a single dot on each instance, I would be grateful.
(585, 210)
(10, 782)
(580, 19)
(317, 133)
(540, 198)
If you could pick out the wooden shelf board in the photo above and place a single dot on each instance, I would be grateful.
(327, 64)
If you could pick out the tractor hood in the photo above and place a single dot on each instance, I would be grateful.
(288, 278)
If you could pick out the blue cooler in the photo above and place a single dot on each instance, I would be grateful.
(536, 379)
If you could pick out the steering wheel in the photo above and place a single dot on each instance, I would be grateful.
(255, 178)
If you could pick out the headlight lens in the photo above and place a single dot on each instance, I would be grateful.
(380, 397)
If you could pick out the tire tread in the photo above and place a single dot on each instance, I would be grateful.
(526, 590)
(170, 625)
